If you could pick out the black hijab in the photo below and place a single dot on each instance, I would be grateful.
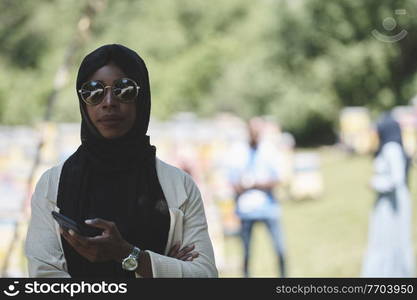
(114, 179)
(389, 130)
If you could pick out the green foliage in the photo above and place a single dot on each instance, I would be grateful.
(331, 51)
(299, 61)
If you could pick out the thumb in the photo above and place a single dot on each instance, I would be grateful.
(100, 223)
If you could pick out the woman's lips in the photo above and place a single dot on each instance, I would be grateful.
(110, 121)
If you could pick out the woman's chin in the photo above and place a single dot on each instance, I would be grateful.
(112, 134)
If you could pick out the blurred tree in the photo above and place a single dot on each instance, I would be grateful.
(351, 52)
(33, 39)
(297, 60)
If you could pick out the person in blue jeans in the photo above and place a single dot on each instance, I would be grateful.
(253, 176)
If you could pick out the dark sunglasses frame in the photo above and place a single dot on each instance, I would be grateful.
(103, 88)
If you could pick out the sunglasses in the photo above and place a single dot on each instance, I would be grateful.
(124, 90)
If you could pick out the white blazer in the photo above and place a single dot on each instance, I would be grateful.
(43, 246)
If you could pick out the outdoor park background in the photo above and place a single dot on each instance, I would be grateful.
(303, 65)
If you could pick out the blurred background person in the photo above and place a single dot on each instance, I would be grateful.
(254, 177)
(390, 252)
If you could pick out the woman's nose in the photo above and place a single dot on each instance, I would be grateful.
(109, 98)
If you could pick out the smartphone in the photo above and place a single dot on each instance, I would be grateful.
(82, 229)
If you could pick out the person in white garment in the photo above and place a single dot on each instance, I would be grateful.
(390, 252)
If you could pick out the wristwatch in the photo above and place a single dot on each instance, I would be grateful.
(131, 263)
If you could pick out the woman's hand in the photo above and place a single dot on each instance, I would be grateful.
(110, 245)
(105, 247)
(183, 254)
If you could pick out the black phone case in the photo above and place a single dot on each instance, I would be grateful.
(81, 229)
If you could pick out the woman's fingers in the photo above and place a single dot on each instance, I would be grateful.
(183, 254)
(184, 251)
(190, 257)
(100, 223)
(83, 251)
(187, 253)
(174, 250)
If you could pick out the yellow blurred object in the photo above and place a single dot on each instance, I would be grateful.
(49, 133)
(407, 118)
(355, 129)
(307, 181)
(231, 223)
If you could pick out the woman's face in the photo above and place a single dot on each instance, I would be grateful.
(111, 117)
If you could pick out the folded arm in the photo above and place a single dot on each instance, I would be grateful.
(195, 232)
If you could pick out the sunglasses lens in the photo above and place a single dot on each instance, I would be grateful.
(125, 89)
(92, 92)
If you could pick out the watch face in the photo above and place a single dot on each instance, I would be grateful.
(130, 264)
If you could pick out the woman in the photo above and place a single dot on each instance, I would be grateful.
(147, 210)
(390, 251)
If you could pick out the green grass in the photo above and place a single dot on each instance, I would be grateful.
(325, 237)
